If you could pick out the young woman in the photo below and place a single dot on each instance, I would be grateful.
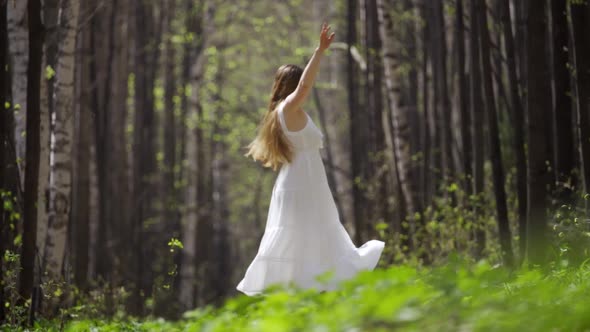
(303, 237)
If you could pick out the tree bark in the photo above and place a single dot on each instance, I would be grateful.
(192, 73)
(476, 100)
(9, 177)
(518, 125)
(441, 87)
(144, 159)
(27, 258)
(169, 192)
(580, 25)
(82, 183)
(330, 174)
(61, 143)
(18, 36)
(400, 112)
(466, 138)
(50, 19)
(539, 108)
(494, 140)
(562, 104)
(353, 108)
(375, 124)
(427, 131)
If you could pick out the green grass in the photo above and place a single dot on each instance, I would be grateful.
(456, 297)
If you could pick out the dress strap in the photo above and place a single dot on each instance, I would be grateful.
(281, 116)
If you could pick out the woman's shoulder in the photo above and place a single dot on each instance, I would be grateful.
(280, 105)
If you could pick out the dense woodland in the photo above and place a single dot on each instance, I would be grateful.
(451, 126)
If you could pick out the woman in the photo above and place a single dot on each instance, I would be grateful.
(303, 237)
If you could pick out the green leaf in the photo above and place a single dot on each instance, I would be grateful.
(49, 73)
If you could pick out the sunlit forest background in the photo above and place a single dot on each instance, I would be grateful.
(452, 127)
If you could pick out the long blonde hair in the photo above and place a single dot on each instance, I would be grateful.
(271, 146)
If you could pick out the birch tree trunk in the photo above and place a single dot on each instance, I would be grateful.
(50, 20)
(61, 143)
(401, 139)
(19, 48)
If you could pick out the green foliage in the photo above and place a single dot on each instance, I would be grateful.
(457, 296)
(49, 73)
(175, 243)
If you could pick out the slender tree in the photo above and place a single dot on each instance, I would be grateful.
(564, 160)
(539, 108)
(476, 100)
(494, 139)
(517, 112)
(81, 190)
(375, 107)
(466, 138)
(441, 89)
(9, 178)
(192, 74)
(399, 111)
(61, 147)
(356, 145)
(427, 128)
(50, 22)
(580, 13)
(27, 258)
(18, 35)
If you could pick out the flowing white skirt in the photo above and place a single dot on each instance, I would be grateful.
(303, 237)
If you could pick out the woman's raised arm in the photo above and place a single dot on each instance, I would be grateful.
(298, 97)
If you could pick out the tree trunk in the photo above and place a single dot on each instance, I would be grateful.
(494, 140)
(169, 192)
(81, 190)
(220, 255)
(81, 200)
(466, 138)
(27, 258)
(144, 159)
(330, 160)
(562, 104)
(192, 73)
(441, 87)
(581, 24)
(411, 98)
(50, 19)
(353, 107)
(9, 177)
(427, 132)
(539, 108)
(19, 49)
(400, 112)
(61, 144)
(476, 100)
(518, 125)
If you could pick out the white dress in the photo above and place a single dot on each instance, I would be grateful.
(303, 236)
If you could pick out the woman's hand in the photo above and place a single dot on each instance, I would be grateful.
(325, 37)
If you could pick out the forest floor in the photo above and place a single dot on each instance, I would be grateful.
(458, 296)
